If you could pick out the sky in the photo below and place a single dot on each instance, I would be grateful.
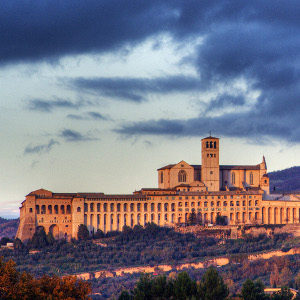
(96, 95)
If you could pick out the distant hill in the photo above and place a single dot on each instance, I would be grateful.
(287, 180)
(8, 228)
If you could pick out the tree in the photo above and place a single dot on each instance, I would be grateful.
(39, 239)
(50, 239)
(253, 290)
(184, 287)
(192, 220)
(143, 288)
(125, 296)
(212, 286)
(284, 294)
(99, 234)
(221, 220)
(18, 245)
(83, 233)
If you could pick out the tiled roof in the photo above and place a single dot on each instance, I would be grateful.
(222, 167)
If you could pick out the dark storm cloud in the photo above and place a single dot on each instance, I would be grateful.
(135, 89)
(254, 41)
(50, 105)
(92, 115)
(225, 100)
(70, 135)
(41, 148)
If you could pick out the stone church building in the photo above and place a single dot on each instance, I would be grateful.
(240, 193)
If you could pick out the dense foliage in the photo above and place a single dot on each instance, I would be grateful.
(16, 285)
(210, 287)
(151, 245)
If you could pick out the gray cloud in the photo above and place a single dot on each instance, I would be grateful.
(92, 115)
(70, 135)
(134, 89)
(41, 148)
(50, 105)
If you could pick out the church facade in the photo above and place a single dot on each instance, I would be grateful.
(238, 193)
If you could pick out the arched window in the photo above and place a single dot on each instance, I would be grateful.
(98, 207)
(56, 209)
(85, 207)
(112, 207)
(251, 178)
(233, 178)
(207, 144)
(166, 206)
(139, 207)
(145, 206)
(159, 207)
(118, 207)
(215, 145)
(161, 177)
(68, 209)
(131, 207)
(181, 176)
(50, 209)
(62, 209)
(78, 209)
(92, 207)
(125, 207)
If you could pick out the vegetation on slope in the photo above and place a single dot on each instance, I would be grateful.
(287, 180)
(151, 245)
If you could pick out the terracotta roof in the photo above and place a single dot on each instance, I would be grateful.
(210, 137)
(237, 167)
(166, 167)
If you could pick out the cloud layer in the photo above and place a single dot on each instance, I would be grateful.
(254, 42)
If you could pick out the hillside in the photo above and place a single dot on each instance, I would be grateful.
(8, 228)
(287, 180)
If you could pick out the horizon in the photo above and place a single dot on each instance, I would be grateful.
(97, 96)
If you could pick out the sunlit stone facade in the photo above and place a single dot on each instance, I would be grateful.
(239, 193)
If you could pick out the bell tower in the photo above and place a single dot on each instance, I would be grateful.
(210, 170)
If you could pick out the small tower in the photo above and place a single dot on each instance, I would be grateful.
(210, 170)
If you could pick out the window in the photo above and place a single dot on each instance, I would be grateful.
(186, 204)
(68, 209)
(37, 208)
(118, 207)
(225, 203)
(56, 208)
(112, 207)
(215, 145)
(152, 206)
(30, 209)
(98, 207)
(233, 178)
(207, 144)
(231, 203)
(145, 207)
(211, 172)
(159, 207)
(161, 177)
(251, 178)
(139, 207)
(105, 207)
(250, 203)
(78, 209)
(166, 207)
(205, 204)
(92, 207)
(125, 207)
(131, 207)
(181, 176)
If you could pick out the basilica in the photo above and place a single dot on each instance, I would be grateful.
(238, 193)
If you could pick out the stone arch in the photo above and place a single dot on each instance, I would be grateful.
(104, 222)
(131, 219)
(269, 215)
(173, 218)
(125, 219)
(118, 222)
(237, 220)
(281, 216)
(111, 222)
(276, 215)
(152, 217)
(54, 229)
(293, 215)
